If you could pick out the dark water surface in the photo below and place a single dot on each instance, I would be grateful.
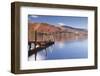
(73, 49)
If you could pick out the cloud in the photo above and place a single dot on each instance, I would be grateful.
(61, 23)
(34, 16)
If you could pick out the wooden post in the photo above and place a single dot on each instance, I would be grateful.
(29, 44)
(35, 43)
(35, 56)
(35, 38)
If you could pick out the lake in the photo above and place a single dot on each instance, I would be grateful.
(72, 49)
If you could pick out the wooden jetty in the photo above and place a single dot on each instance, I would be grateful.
(39, 46)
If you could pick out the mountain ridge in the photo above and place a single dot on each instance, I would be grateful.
(53, 28)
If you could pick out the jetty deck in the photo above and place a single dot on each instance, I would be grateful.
(42, 45)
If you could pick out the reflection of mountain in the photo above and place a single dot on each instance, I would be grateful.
(55, 30)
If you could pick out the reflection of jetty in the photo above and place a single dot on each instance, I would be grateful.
(38, 46)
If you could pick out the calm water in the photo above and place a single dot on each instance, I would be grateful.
(74, 49)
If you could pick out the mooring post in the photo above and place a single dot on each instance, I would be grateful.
(29, 44)
(35, 44)
(35, 56)
(35, 38)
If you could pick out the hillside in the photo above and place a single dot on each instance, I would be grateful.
(45, 27)
(47, 31)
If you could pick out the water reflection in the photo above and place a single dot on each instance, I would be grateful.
(64, 50)
(65, 47)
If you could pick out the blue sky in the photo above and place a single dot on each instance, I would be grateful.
(77, 22)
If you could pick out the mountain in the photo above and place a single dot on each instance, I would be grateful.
(56, 31)
(45, 27)
(78, 29)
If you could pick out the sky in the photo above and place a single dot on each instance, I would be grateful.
(73, 21)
